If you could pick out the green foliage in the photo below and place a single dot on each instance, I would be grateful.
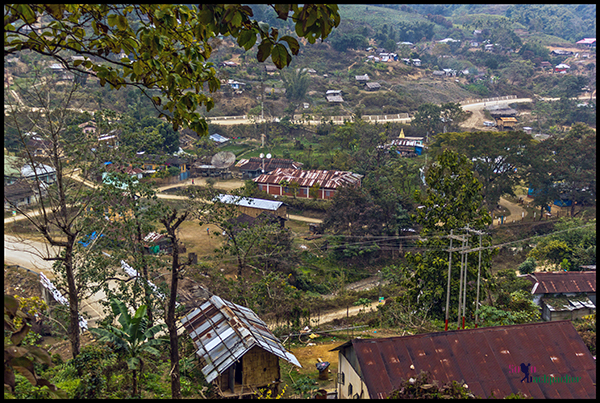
(295, 84)
(528, 266)
(305, 387)
(424, 387)
(149, 45)
(451, 200)
(20, 358)
(576, 243)
(586, 327)
(491, 316)
(499, 158)
(132, 339)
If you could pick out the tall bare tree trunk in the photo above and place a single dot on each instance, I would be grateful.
(171, 223)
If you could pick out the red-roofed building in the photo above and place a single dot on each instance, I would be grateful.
(487, 359)
(590, 42)
(325, 183)
(564, 294)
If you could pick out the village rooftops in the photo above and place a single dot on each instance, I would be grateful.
(364, 77)
(563, 282)
(325, 179)
(586, 41)
(269, 164)
(217, 138)
(488, 360)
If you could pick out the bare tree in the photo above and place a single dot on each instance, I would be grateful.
(48, 162)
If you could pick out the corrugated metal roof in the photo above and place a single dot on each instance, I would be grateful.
(250, 202)
(562, 303)
(483, 358)
(218, 138)
(224, 331)
(325, 179)
(270, 164)
(563, 282)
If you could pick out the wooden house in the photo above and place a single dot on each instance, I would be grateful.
(564, 295)
(506, 123)
(153, 163)
(373, 86)
(314, 183)
(19, 194)
(362, 79)
(238, 353)
(488, 360)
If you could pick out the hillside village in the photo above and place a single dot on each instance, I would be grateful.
(419, 182)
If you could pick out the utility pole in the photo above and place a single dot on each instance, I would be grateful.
(480, 248)
(459, 249)
(448, 287)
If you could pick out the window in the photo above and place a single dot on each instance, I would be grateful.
(343, 378)
(349, 390)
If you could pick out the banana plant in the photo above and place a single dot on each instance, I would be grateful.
(132, 338)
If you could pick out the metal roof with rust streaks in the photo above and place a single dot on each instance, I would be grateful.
(482, 359)
(563, 282)
(325, 179)
(224, 332)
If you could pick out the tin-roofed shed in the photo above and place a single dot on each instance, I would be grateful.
(238, 351)
(488, 360)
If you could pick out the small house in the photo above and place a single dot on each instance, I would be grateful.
(564, 295)
(439, 73)
(373, 86)
(545, 64)
(270, 68)
(88, 127)
(362, 79)
(587, 42)
(217, 138)
(506, 123)
(238, 353)
(155, 243)
(488, 360)
(448, 40)
(255, 207)
(489, 47)
(561, 68)
(334, 96)
(449, 72)
(20, 194)
(236, 85)
(416, 62)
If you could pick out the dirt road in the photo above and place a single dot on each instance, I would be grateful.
(516, 211)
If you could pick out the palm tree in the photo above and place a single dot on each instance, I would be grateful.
(132, 339)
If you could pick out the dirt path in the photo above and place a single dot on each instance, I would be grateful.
(516, 211)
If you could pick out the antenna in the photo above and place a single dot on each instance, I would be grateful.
(223, 159)
(269, 155)
(262, 155)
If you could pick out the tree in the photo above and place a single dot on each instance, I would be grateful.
(132, 339)
(427, 119)
(20, 357)
(64, 200)
(149, 36)
(451, 200)
(574, 241)
(499, 158)
(296, 84)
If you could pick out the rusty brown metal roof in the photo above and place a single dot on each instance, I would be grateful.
(483, 359)
(325, 179)
(223, 332)
(563, 282)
